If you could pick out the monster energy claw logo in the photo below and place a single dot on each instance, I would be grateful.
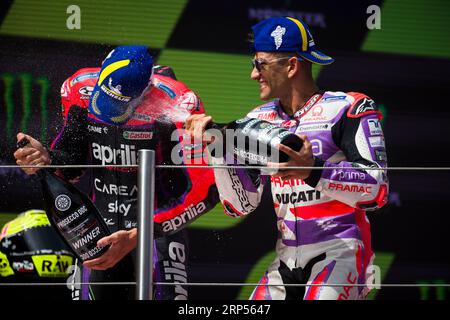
(27, 83)
(277, 35)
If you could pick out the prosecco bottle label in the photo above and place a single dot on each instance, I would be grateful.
(78, 227)
(74, 216)
(255, 142)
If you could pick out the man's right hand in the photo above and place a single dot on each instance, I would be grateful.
(196, 125)
(33, 153)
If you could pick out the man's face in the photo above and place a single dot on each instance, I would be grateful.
(271, 76)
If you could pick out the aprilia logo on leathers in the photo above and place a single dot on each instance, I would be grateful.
(189, 214)
(126, 155)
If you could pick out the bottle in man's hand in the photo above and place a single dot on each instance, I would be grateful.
(255, 141)
(72, 214)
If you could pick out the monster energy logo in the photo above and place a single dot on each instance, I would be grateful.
(26, 82)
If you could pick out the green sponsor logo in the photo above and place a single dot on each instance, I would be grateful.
(20, 90)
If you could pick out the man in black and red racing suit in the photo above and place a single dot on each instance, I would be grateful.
(181, 195)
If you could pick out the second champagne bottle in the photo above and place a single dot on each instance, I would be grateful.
(253, 142)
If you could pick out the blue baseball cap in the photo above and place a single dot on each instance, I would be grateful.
(284, 34)
(123, 79)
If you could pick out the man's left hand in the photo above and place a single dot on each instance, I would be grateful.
(302, 158)
(122, 242)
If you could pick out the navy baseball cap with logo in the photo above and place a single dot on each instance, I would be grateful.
(123, 79)
(285, 34)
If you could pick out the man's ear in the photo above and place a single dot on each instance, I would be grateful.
(293, 67)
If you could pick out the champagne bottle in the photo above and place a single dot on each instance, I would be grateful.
(255, 141)
(73, 215)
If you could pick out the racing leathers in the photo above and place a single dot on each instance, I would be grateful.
(323, 232)
(181, 195)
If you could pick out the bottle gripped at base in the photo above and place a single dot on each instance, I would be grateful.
(255, 141)
(72, 214)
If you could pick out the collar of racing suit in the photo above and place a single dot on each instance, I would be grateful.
(303, 109)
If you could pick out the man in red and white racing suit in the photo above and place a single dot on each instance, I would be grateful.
(323, 232)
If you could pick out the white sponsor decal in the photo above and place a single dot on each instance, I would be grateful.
(365, 105)
(351, 175)
(126, 155)
(86, 91)
(377, 141)
(315, 127)
(130, 224)
(115, 207)
(95, 129)
(109, 222)
(317, 147)
(24, 266)
(114, 189)
(374, 127)
(175, 270)
(189, 214)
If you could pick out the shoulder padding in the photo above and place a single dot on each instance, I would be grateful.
(362, 106)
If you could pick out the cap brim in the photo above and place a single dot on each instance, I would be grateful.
(108, 109)
(317, 57)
